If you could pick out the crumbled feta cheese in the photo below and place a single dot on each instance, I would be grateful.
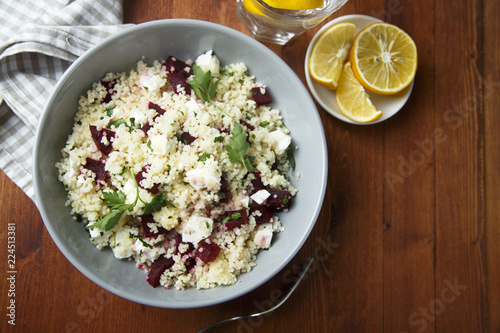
(206, 177)
(130, 190)
(209, 62)
(123, 243)
(264, 235)
(151, 82)
(162, 145)
(260, 196)
(151, 252)
(197, 228)
(192, 108)
(281, 140)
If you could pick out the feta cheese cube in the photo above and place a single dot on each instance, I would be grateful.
(280, 139)
(209, 62)
(151, 82)
(206, 177)
(260, 196)
(197, 228)
(123, 243)
(162, 145)
(264, 235)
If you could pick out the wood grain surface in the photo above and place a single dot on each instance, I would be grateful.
(408, 239)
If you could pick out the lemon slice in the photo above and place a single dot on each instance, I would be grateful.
(384, 58)
(329, 53)
(353, 100)
(284, 4)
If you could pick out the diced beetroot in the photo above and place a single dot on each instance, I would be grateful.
(233, 223)
(247, 125)
(174, 65)
(189, 263)
(279, 200)
(159, 110)
(139, 177)
(261, 213)
(97, 136)
(96, 167)
(146, 127)
(187, 138)
(145, 219)
(259, 97)
(207, 252)
(177, 79)
(257, 183)
(109, 86)
(159, 266)
(225, 189)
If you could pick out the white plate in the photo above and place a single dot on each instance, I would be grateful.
(388, 104)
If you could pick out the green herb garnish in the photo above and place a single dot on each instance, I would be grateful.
(204, 86)
(109, 111)
(116, 201)
(290, 157)
(233, 216)
(204, 157)
(238, 146)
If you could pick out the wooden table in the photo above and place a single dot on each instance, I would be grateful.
(408, 239)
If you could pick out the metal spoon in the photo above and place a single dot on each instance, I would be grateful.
(302, 273)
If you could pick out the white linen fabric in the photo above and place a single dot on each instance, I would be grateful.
(39, 39)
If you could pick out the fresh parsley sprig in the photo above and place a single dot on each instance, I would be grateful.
(204, 86)
(116, 201)
(238, 146)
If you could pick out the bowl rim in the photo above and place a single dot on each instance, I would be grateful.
(37, 177)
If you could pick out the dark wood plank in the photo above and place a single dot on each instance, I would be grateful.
(490, 95)
(459, 278)
(409, 187)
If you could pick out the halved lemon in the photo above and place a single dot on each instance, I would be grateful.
(330, 52)
(284, 4)
(384, 58)
(353, 100)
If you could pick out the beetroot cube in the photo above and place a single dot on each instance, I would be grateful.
(139, 177)
(96, 167)
(159, 110)
(225, 190)
(145, 219)
(262, 214)
(259, 97)
(98, 135)
(233, 223)
(187, 138)
(159, 266)
(207, 252)
(109, 86)
(257, 183)
(177, 79)
(279, 201)
(174, 65)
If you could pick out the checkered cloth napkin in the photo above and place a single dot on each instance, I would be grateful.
(39, 39)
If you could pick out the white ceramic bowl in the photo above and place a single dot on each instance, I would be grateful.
(388, 104)
(184, 39)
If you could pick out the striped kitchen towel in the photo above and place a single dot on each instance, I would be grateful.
(39, 39)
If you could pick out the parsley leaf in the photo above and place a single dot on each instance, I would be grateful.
(238, 146)
(108, 221)
(116, 200)
(204, 157)
(202, 84)
(157, 203)
(290, 157)
(204, 87)
(233, 216)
